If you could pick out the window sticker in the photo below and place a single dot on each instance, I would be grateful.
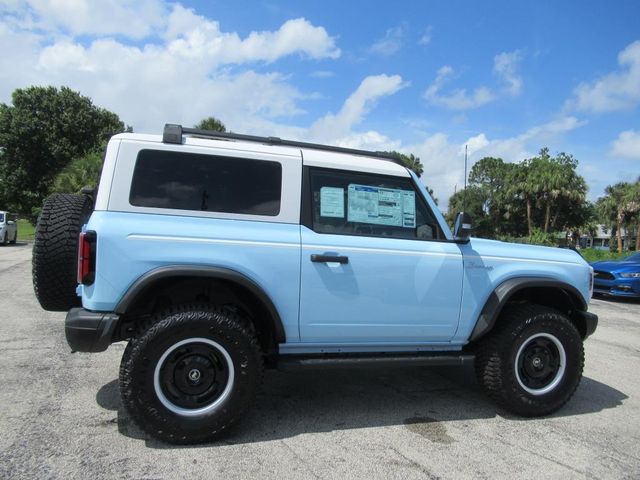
(332, 202)
(408, 209)
(381, 206)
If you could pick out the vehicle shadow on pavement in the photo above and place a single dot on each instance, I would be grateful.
(291, 404)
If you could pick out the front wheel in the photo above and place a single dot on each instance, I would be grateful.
(532, 363)
(191, 375)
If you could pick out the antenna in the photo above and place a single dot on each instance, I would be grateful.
(464, 193)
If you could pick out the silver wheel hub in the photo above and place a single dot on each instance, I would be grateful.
(541, 364)
(194, 375)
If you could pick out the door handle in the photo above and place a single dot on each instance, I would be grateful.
(329, 258)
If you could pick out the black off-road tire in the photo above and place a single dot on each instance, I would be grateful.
(15, 238)
(5, 239)
(497, 358)
(156, 363)
(55, 250)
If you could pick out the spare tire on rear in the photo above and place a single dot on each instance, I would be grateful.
(55, 251)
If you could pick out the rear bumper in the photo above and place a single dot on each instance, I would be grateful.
(88, 331)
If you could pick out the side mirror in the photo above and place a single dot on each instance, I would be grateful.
(463, 226)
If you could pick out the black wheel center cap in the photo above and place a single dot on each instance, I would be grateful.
(539, 363)
(194, 375)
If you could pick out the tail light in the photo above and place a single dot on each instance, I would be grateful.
(87, 257)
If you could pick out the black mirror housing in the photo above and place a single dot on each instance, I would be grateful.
(463, 226)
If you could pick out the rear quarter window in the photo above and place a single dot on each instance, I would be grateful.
(210, 183)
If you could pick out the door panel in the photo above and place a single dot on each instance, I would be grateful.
(389, 290)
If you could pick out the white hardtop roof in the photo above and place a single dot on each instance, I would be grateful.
(311, 157)
(345, 161)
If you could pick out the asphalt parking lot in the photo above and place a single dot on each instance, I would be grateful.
(61, 417)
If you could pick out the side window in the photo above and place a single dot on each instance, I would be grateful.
(349, 203)
(190, 181)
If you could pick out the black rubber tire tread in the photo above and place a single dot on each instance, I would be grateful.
(55, 250)
(15, 238)
(140, 357)
(495, 357)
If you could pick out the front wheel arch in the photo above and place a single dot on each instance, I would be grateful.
(551, 293)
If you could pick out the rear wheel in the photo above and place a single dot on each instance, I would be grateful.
(15, 238)
(532, 363)
(191, 375)
(55, 250)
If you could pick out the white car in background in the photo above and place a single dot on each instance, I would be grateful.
(8, 228)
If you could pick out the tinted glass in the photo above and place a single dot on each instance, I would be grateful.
(190, 181)
(633, 258)
(1, 217)
(348, 203)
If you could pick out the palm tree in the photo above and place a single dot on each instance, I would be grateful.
(529, 182)
(632, 207)
(618, 207)
(410, 161)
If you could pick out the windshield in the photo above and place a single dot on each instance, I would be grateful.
(633, 258)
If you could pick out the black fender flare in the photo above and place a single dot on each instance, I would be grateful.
(503, 292)
(220, 273)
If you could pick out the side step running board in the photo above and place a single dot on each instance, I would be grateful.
(295, 362)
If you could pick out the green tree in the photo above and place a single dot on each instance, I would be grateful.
(471, 200)
(633, 200)
(40, 133)
(619, 209)
(211, 123)
(552, 186)
(502, 207)
(81, 172)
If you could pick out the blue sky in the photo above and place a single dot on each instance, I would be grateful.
(504, 78)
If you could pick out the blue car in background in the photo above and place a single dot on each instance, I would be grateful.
(620, 278)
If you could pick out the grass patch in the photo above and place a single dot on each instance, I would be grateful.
(593, 255)
(26, 231)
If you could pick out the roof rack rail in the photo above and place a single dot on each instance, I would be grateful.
(173, 134)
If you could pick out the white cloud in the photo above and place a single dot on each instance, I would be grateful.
(360, 102)
(180, 75)
(619, 90)
(131, 18)
(627, 145)
(506, 65)
(458, 99)
(390, 43)
(191, 35)
(425, 39)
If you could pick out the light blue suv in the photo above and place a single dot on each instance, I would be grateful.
(216, 255)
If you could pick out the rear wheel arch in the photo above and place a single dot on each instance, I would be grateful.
(166, 286)
(542, 291)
